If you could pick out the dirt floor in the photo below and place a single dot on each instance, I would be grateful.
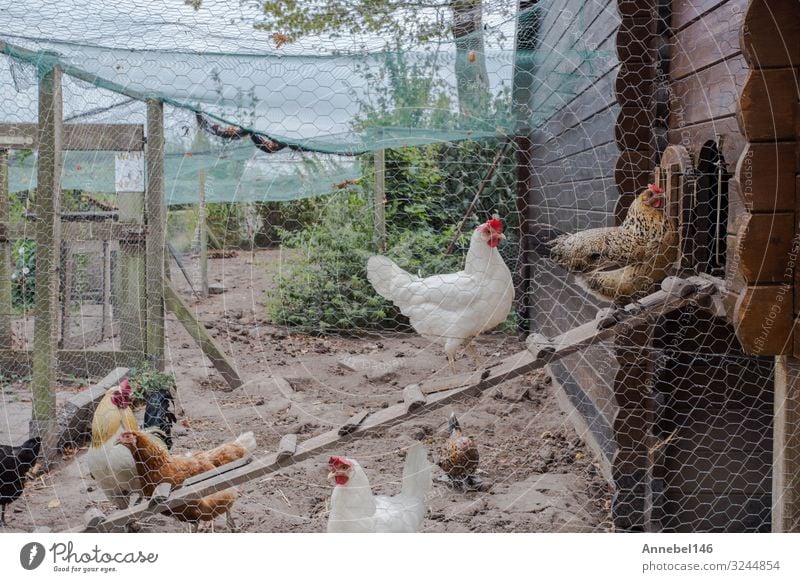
(538, 474)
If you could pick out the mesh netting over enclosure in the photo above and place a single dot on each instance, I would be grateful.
(532, 214)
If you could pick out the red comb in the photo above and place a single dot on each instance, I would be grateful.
(495, 224)
(337, 462)
(124, 386)
(655, 188)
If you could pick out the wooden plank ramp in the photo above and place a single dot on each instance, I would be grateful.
(422, 398)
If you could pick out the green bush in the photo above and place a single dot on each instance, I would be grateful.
(326, 289)
(323, 288)
(146, 380)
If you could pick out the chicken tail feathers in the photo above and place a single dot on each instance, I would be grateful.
(545, 237)
(246, 440)
(417, 472)
(453, 425)
(386, 277)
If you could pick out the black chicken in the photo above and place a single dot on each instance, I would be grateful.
(15, 462)
(158, 414)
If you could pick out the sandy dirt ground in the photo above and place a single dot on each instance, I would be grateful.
(538, 475)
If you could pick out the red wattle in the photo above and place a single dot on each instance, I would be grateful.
(341, 479)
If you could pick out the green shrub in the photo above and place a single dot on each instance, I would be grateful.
(326, 289)
(323, 288)
(146, 380)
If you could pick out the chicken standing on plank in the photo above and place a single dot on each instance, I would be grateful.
(156, 466)
(15, 462)
(452, 309)
(623, 262)
(459, 458)
(354, 509)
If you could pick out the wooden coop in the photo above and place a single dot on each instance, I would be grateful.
(694, 418)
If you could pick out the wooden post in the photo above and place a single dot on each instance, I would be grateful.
(210, 348)
(156, 233)
(5, 259)
(67, 278)
(106, 329)
(380, 200)
(132, 304)
(632, 504)
(786, 446)
(47, 207)
(202, 229)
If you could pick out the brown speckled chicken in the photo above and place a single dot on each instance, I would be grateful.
(625, 261)
(459, 458)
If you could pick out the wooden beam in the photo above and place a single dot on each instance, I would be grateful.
(765, 244)
(202, 232)
(155, 207)
(131, 284)
(81, 231)
(763, 318)
(770, 32)
(5, 259)
(380, 200)
(47, 205)
(766, 176)
(786, 447)
(767, 108)
(198, 332)
(77, 137)
(76, 363)
(366, 423)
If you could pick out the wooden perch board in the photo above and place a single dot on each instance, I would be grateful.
(362, 424)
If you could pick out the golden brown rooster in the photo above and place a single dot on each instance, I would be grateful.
(112, 466)
(459, 458)
(623, 262)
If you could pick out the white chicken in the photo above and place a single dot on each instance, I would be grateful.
(113, 466)
(452, 309)
(354, 509)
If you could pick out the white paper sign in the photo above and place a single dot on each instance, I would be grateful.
(129, 171)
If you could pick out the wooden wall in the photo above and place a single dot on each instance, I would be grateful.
(670, 74)
(571, 186)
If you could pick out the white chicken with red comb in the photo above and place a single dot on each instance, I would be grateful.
(453, 308)
(354, 509)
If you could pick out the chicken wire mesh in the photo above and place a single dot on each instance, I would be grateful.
(328, 154)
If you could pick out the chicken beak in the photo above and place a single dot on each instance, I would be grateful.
(501, 236)
(331, 475)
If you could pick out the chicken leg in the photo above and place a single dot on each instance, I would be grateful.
(230, 523)
(476, 357)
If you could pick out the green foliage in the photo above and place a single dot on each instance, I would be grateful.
(225, 222)
(23, 285)
(146, 380)
(428, 190)
(326, 289)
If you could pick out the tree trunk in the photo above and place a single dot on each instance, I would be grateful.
(472, 77)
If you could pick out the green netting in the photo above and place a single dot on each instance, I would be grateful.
(318, 102)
